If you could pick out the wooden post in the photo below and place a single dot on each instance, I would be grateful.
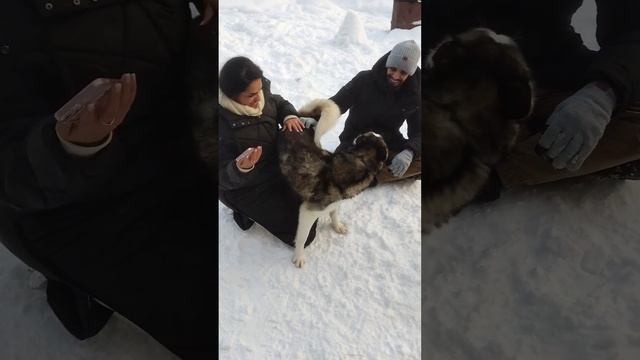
(406, 14)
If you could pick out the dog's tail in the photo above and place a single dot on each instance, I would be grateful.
(329, 113)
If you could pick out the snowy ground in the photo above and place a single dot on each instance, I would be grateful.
(358, 296)
(548, 273)
(30, 331)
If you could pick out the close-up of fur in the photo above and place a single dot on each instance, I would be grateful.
(477, 89)
(202, 96)
(322, 178)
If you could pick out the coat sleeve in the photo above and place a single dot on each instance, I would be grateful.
(347, 95)
(36, 173)
(284, 108)
(618, 60)
(414, 131)
(229, 176)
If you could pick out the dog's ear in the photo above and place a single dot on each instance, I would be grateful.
(517, 99)
(447, 53)
(382, 152)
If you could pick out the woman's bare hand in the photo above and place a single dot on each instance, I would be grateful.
(97, 119)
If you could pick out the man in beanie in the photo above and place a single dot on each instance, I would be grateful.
(381, 100)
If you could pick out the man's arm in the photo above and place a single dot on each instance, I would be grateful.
(347, 95)
(618, 61)
(414, 131)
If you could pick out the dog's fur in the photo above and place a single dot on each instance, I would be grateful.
(322, 178)
(477, 88)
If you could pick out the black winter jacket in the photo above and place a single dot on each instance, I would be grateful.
(132, 218)
(238, 132)
(374, 106)
(554, 50)
(50, 52)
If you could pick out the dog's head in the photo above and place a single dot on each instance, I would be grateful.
(481, 69)
(372, 143)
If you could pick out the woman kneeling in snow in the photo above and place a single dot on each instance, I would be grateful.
(250, 182)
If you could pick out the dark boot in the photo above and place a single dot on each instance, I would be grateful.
(80, 314)
(242, 220)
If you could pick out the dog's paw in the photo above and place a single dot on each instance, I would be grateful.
(340, 228)
(298, 260)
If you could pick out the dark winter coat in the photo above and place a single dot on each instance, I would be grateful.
(543, 30)
(238, 132)
(262, 194)
(128, 224)
(374, 106)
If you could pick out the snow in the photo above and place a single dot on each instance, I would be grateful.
(358, 295)
(546, 273)
(351, 31)
(550, 272)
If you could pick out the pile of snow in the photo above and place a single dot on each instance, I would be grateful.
(351, 31)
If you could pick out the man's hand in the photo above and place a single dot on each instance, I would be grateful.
(401, 162)
(576, 126)
(308, 122)
(97, 119)
(292, 124)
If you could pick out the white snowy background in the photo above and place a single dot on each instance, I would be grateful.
(358, 296)
(551, 272)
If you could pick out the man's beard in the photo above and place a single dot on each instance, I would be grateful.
(394, 84)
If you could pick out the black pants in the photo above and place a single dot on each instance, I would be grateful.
(273, 205)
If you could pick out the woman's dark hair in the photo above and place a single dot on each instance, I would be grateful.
(236, 75)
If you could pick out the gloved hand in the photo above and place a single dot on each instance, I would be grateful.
(308, 122)
(576, 126)
(401, 162)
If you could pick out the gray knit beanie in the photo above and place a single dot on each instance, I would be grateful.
(404, 56)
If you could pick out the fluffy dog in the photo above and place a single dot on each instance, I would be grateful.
(321, 178)
(477, 88)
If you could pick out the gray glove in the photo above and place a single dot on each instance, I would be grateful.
(309, 122)
(576, 126)
(401, 162)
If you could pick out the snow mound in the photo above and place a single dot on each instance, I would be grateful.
(351, 31)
